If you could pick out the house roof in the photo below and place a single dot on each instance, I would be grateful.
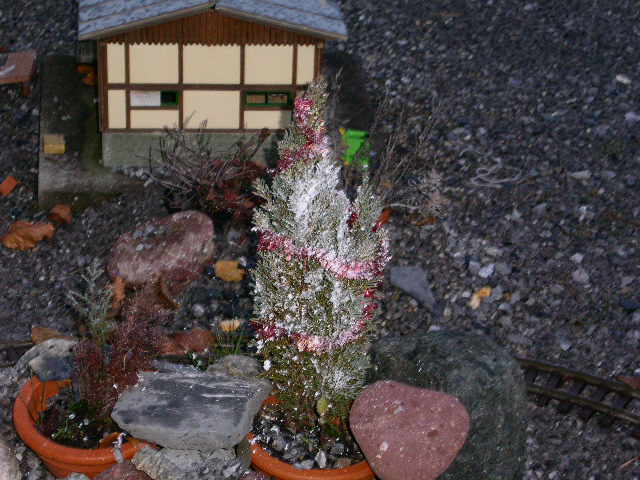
(100, 18)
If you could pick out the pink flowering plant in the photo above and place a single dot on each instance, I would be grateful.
(321, 257)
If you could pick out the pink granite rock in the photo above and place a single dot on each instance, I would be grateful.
(408, 432)
(123, 471)
(180, 242)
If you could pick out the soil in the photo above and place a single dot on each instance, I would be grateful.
(311, 448)
(73, 423)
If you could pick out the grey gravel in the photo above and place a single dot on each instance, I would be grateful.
(529, 92)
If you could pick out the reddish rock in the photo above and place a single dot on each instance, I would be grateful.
(195, 340)
(408, 432)
(123, 471)
(180, 242)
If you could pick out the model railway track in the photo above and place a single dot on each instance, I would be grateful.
(575, 392)
(583, 394)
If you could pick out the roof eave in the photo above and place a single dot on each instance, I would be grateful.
(280, 23)
(167, 17)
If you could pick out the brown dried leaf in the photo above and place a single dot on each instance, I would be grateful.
(61, 213)
(477, 297)
(165, 294)
(118, 291)
(7, 185)
(229, 326)
(41, 334)
(25, 235)
(228, 271)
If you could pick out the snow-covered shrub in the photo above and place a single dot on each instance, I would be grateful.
(321, 257)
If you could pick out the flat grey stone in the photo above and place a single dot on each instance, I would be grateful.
(9, 468)
(486, 379)
(172, 464)
(236, 366)
(50, 360)
(190, 411)
(413, 281)
(580, 275)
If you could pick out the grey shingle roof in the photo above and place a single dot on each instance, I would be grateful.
(100, 17)
(97, 18)
(320, 17)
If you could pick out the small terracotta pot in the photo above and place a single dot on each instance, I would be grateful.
(60, 460)
(280, 470)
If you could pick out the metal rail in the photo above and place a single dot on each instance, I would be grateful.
(589, 394)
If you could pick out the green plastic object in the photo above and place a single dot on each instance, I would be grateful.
(355, 139)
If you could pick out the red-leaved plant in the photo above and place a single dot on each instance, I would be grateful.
(195, 176)
(103, 372)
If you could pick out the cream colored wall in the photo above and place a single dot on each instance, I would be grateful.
(267, 118)
(153, 63)
(306, 64)
(117, 109)
(221, 109)
(211, 64)
(115, 63)
(268, 64)
(154, 118)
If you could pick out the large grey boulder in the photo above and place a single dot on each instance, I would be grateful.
(484, 377)
(190, 411)
(50, 360)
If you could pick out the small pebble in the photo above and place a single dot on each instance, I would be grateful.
(580, 276)
(487, 270)
(198, 310)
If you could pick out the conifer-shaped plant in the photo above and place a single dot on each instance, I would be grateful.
(320, 261)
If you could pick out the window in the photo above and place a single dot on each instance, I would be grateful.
(164, 98)
(268, 99)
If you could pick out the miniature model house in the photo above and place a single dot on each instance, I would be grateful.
(236, 64)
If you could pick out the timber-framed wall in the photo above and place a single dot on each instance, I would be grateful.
(242, 44)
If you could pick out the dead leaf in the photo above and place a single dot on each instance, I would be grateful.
(230, 325)
(164, 293)
(384, 217)
(194, 340)
(117, 289)
(228, 271)
(633, 382)
(7, 185)
(41, 334)
(25, 235)
(61, 213)
(477, 297)
(425, 221)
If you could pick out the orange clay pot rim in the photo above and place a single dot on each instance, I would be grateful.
(272, 466)
(47, 448)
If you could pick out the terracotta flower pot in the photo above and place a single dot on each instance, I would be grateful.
(60, 460)
(279, 470)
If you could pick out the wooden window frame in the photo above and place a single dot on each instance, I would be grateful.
(181, 88)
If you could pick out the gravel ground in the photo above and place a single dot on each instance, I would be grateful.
(537, 141)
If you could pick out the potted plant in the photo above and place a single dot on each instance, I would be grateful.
(320, 260)
(68, 423)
